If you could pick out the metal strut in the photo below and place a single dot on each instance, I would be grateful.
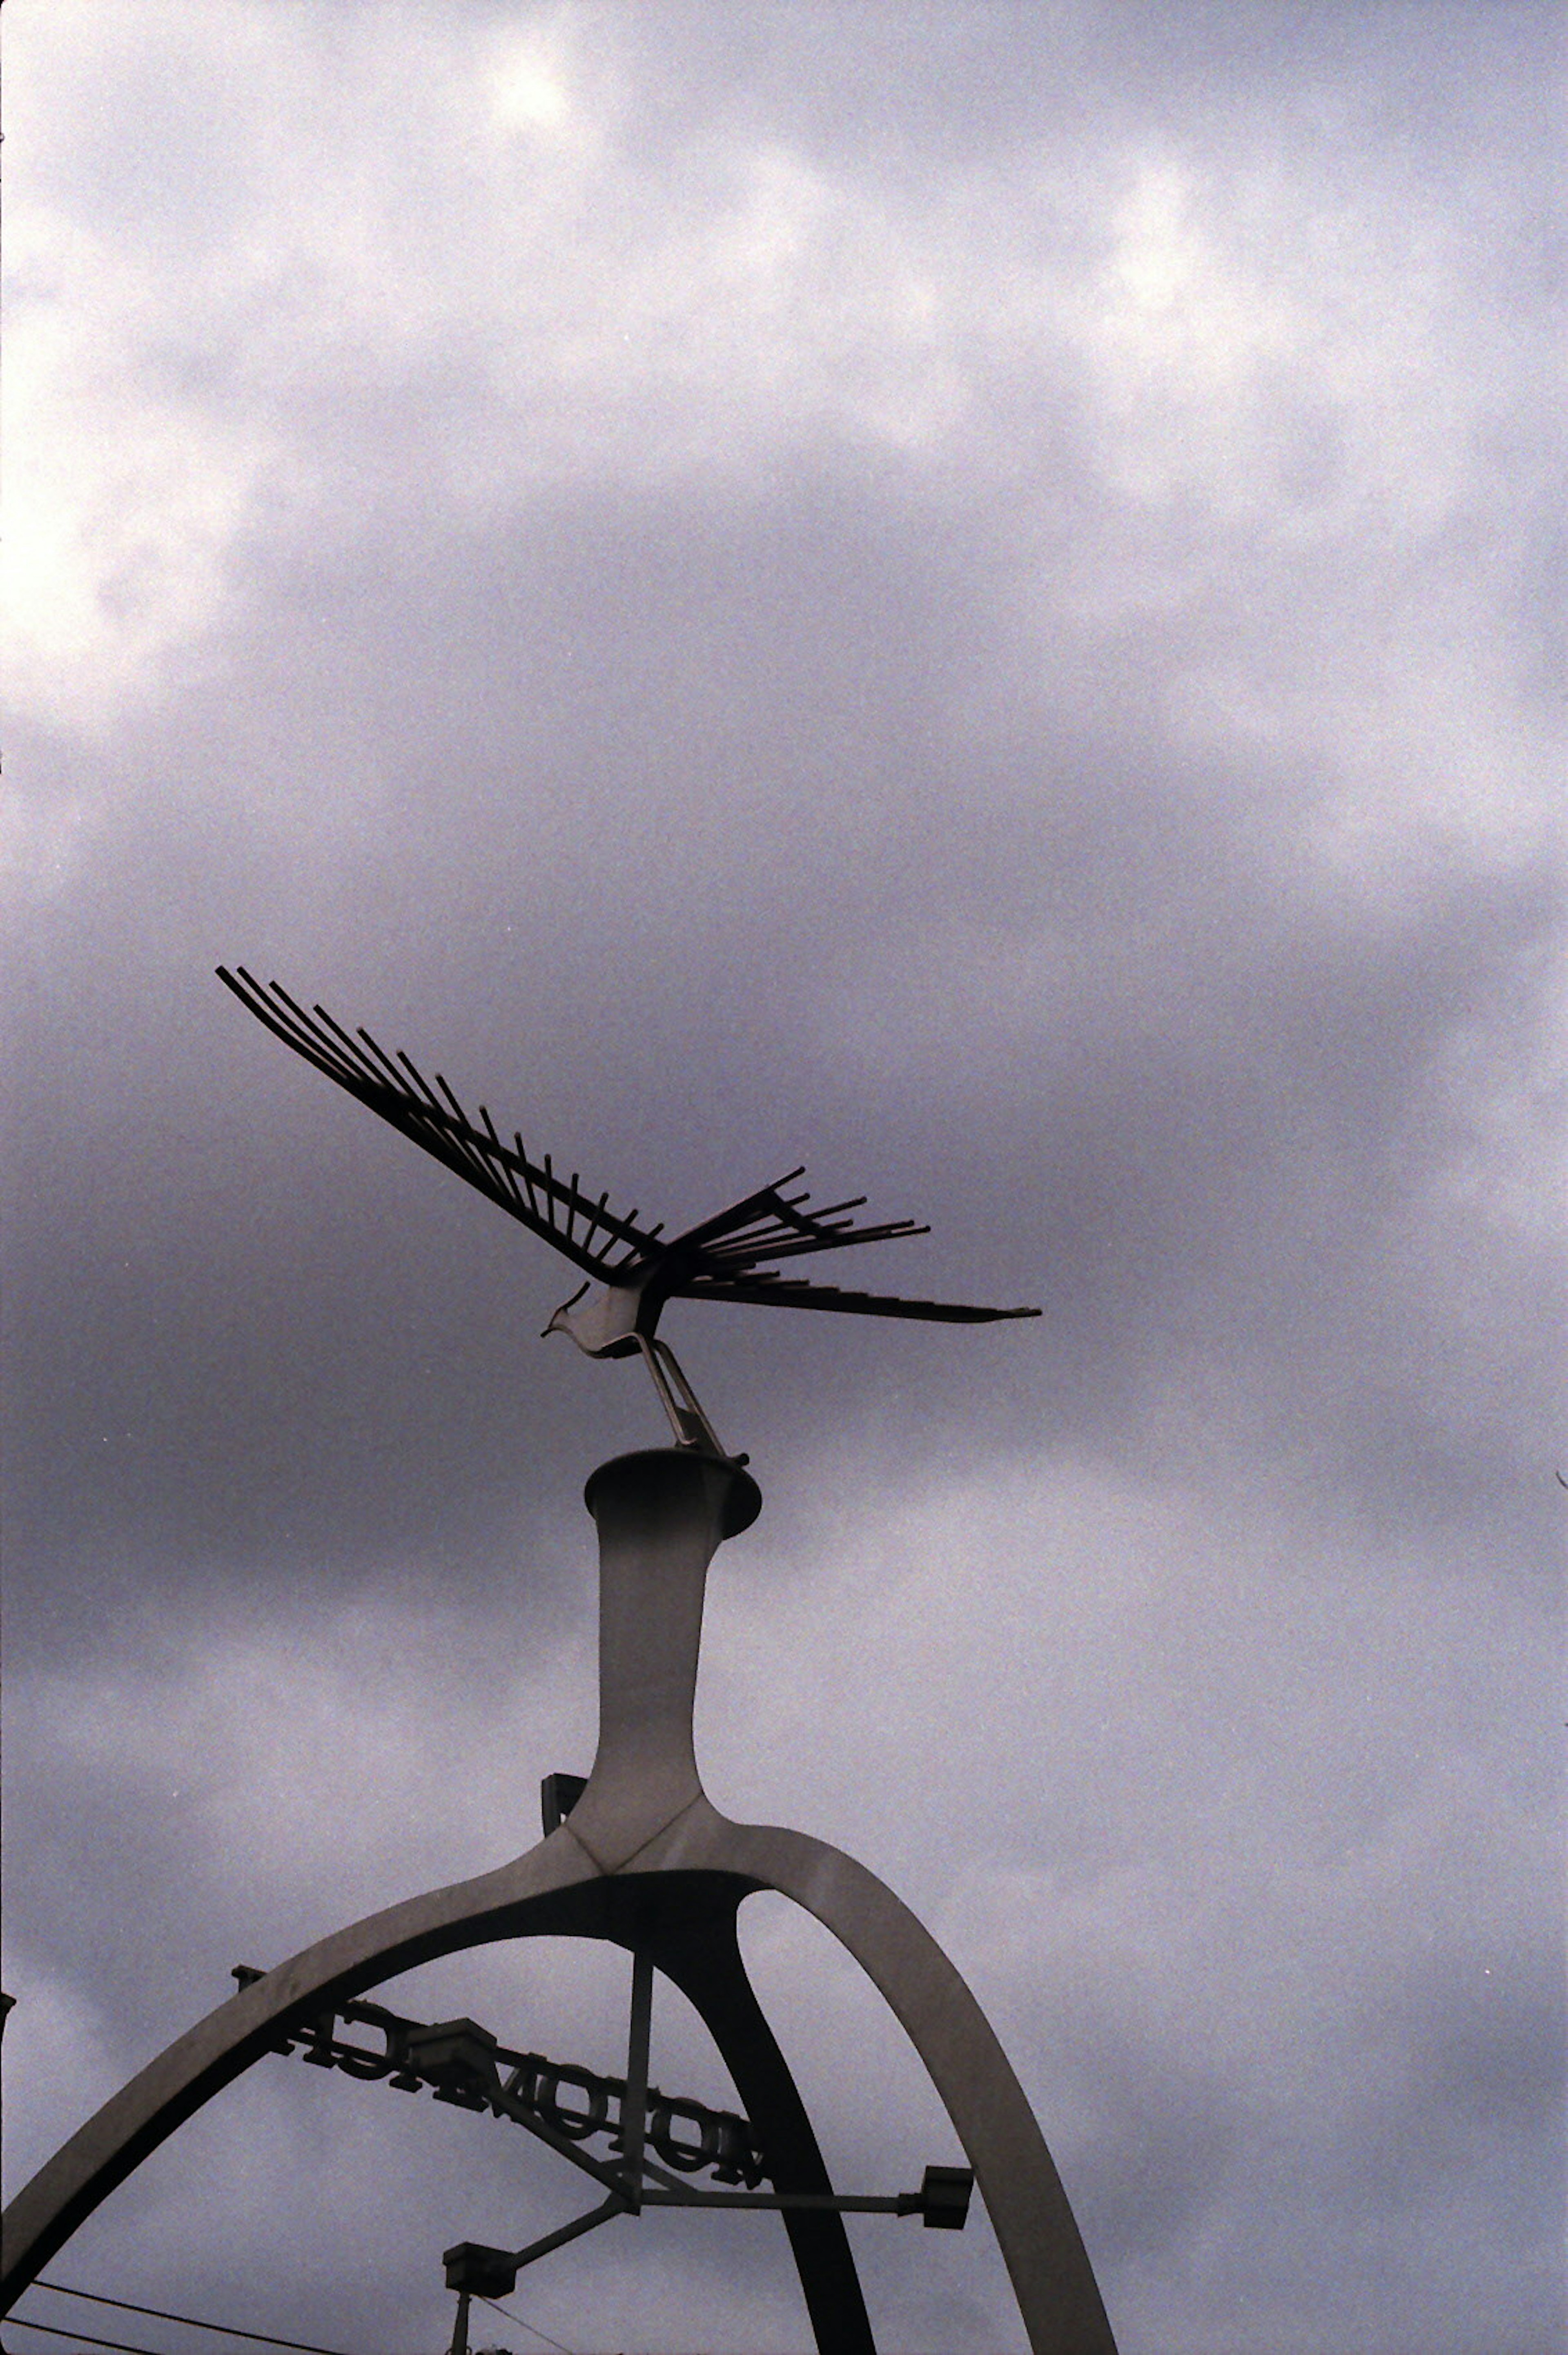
(941, 2200)
(687, 1420)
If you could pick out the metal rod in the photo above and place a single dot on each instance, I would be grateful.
(528, 1173)
(635, 2098)
(901, 2203)
(502, 1158)
(419, 1081)
(452, 1101)
(339, 1044)
(596, 1219)
(615, 2206)
(300, 1036)
(465, 1135)
(661, 1384)
(744, 1248)
(507, 2104)
(373, 1059)
(690, 1425)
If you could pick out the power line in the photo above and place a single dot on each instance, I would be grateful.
(508, 2315)
(82, 2337)
(161, 2314)
(266, 2338)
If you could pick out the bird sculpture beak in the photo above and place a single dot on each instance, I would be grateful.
(559, 1322)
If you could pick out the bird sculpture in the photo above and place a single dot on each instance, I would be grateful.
(629, 1271)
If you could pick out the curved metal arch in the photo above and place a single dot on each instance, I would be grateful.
(1054, 2281)
(685, 1921)
(643, 1858)
(705, 1866)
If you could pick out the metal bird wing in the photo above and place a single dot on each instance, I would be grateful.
(726, 1259)
(599, 1241)
(761, 1290)
(769, 1225)
(729, 1256)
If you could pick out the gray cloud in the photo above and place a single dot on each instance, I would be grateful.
(963, 595)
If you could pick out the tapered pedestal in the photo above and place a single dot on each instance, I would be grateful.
(661, 1516)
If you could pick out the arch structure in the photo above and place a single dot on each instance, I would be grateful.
(646, 1860)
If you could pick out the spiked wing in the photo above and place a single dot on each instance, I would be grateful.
(764, 1290)
(585, 1231)
(726, 1257)
(769, 1225)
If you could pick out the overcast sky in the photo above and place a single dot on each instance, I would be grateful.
(966, 594)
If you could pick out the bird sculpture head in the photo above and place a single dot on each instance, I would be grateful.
(606, 1325)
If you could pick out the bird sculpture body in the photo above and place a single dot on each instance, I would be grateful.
(629, 1271)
